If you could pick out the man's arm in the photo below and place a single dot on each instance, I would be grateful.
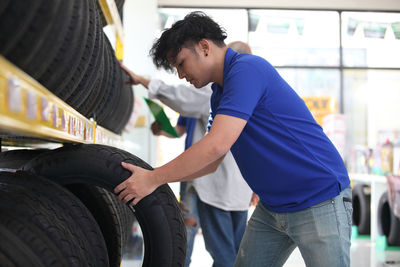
(206, 170)
(134, 78)
(186, 100)
(223, 134)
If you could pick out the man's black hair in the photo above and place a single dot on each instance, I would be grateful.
(184, 33)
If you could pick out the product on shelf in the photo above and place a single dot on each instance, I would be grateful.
(387, 157)
(396, 157)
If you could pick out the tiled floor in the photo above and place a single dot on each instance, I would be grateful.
(363, 254)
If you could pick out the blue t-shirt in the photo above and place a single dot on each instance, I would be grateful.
(189, 124)
(283, 154)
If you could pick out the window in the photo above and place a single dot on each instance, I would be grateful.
(349, 58)
(234, 21)
(371, 103)
(295, 38)
(371, 39)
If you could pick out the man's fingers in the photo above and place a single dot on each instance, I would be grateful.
(122, 194)
(118, 189)
(135, 201)
(128, 198)
(128, 166)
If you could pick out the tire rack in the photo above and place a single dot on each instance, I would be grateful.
(29, 109)
(112, 17)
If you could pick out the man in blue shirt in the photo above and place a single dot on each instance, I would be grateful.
(283, 154)
(219, 200)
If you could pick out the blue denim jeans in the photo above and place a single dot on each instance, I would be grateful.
(222, 232)
(322, 233)
(189, 210)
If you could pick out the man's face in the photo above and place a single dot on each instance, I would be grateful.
(191, 64)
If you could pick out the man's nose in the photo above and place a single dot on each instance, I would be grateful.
(181, 74)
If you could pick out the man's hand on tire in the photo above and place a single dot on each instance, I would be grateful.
(140, 184)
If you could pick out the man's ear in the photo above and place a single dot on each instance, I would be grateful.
(204, 46)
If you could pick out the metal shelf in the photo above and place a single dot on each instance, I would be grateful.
(29, 109)
(112, 17)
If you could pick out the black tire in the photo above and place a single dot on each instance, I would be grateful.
(111, 115)
(34, 238)
(88, 37)
(110, 102)
(19, 14)
(34, 35)
(86, 226)
(60, 71)
(15, 159)
(14, 252)
(87, 107)
(118, 114)
(362, 208)
(130, 100)
(388, 223)
(3, 5)
(108, 216)
(44, 214)
(100, 101)
(84, 88)
(158, 214)
(52, 41)
(125, 106)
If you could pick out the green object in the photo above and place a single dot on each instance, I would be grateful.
(381, 244)
(355, 234)
(161, 117)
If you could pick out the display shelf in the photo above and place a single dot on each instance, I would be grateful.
(367, 178)
(112, 17)
(29, 109)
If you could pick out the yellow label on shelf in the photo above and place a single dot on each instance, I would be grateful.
(27, 108)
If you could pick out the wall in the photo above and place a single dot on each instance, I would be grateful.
(140, 22)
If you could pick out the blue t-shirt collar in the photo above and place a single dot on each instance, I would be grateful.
(229, 55)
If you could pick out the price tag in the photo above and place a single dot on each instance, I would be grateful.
(44, 109)
(55, 116)
(14, 93)
(31, 105)
(63, 121)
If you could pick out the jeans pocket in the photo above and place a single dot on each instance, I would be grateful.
(348, 206)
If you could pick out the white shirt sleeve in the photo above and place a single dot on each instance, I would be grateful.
(186, 100)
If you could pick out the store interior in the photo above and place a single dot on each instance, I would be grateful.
(342, 57)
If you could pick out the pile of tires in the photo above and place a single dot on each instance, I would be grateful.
(57, 209)
(61, 44)
(388, 223)
(362, 208)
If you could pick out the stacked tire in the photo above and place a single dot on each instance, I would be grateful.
(362, 208)
(58, 210)
(57, 207)
(61, 44)
(53, 225)
(388, 223)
